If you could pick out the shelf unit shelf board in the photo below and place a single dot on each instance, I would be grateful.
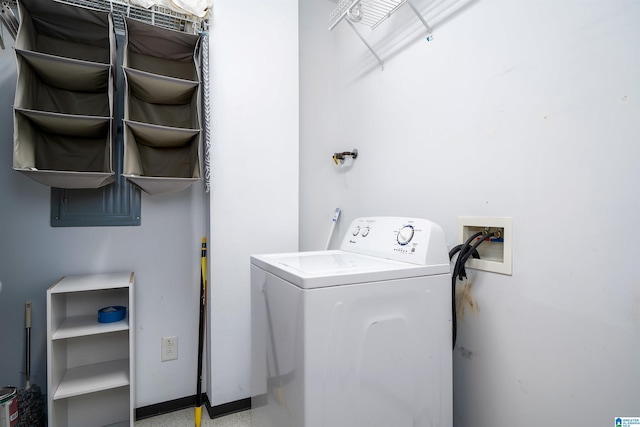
(92, 282)
(79, 326)
(92, 378)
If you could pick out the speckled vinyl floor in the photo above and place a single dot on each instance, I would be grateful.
(184, 418)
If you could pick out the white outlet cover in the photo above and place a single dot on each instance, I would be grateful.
(169, 348)
(506, 223)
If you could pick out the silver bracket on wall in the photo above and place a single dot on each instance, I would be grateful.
(370, 13)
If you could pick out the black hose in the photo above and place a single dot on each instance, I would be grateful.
(459, 271)
(457, 249)
(454, 278)
(459, 267)
(466, 251)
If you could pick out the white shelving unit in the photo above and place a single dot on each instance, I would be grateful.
(91, 377)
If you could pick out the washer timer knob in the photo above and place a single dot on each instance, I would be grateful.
(355, 230)
(405, 235)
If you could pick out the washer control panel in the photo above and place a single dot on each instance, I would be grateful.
(414, 240)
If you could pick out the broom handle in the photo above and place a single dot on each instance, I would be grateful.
(203, 304)
(27, 325)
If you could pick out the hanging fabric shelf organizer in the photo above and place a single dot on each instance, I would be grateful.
(63, 106)
(162, 130)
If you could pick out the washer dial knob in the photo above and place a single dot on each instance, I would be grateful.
(365, 231)
(405, 235)
(355, 230)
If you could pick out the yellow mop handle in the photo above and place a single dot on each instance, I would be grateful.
(198, 415)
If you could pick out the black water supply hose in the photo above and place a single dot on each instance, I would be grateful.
(466, 250)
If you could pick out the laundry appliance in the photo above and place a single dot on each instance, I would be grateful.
(359, 336)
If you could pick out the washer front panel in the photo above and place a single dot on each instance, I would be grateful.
(375, 354)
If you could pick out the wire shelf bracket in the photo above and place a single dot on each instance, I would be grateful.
(371, 13)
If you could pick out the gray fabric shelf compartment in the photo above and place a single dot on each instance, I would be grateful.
(62, 85)
(73, 146)
(63, 107)
(151, 140)
(162, 132)
(161, 100)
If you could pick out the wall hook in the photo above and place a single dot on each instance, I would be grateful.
(338, 158)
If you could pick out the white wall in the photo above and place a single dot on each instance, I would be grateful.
(254, 183)
(528, 109)
(164, 252)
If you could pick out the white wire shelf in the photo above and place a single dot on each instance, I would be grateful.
(370, 13)
(366, 12)
(155, 15)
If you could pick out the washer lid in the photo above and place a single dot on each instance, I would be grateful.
(319, 269)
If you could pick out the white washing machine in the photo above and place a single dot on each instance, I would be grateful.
(359, 336)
